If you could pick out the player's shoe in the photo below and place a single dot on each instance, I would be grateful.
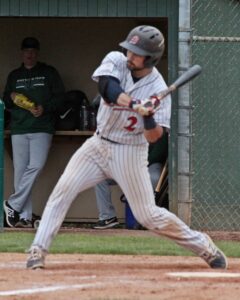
(214, 257)
(35, 221)
(12, 216)
(104, 224)
(23, 223)
(36, 258)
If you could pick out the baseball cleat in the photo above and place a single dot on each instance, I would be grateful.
(36, 259)
(214, 257)
(104, 224)
(12, 216)
(23, 223)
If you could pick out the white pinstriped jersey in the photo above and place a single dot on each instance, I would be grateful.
(121, 124)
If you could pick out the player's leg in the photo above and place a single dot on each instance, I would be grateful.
(107, 213)
(20, 149)
(155, 172)
(135, 182)
(104, 200)
(39, 145)
(80, 174)
(29, 155)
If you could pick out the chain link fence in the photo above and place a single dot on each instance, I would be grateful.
(215, 147)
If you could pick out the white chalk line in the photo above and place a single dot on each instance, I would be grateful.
(204, 275)
(102, 284)
(55, 288)
(51, 289)
(21, 264)
(105, 284)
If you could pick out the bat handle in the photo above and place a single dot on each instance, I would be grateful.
(163, 174)
(143, 111)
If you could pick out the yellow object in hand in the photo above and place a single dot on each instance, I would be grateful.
(23, 102)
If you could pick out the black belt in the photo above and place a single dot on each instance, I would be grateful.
(106, 139)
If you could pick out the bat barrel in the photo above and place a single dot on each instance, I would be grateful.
(190, 74)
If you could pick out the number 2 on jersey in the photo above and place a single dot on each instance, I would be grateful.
(132, 121)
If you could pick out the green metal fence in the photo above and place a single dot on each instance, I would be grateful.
(215, 155)
(1, 162)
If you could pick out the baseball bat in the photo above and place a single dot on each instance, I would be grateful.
(161, 178)
(187, 76)
(162, 185)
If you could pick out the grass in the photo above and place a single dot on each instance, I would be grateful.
(100, 244)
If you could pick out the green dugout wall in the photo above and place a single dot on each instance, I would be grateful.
(139, 11)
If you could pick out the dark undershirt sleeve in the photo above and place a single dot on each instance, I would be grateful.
(109, 88)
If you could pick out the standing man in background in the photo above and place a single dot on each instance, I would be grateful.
(31, 128)
(119, 149)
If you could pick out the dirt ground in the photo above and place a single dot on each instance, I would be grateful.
(118, 277)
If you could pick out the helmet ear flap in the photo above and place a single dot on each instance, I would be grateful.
(148, 61)
(151, 61)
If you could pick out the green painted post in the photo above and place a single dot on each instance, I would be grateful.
(1, 162)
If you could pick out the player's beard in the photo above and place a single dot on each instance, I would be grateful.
(133, 68)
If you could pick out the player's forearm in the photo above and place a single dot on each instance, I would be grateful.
(124, 100)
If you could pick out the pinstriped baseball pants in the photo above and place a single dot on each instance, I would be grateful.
(97, 160)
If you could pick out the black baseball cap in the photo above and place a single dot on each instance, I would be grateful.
(30, 42)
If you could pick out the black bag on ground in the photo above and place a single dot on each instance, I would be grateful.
(68, 117)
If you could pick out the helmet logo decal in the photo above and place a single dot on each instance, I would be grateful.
(134, 40)
(162, 43)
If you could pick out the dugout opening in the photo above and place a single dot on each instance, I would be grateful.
(75, 46)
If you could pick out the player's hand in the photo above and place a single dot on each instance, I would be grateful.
(13, 95)
(146, 107)
(37, 111)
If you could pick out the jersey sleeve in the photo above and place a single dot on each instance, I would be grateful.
(163, 115)
(112, 65)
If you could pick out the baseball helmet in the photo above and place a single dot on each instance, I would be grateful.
(146, 41)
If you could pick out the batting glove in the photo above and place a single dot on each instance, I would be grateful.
(146, 107)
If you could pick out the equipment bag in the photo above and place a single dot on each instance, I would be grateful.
(69, 117)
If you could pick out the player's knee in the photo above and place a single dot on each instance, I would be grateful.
(146, 218)
(34, 170)
(155, 218)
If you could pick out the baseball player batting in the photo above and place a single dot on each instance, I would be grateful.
(119, 149)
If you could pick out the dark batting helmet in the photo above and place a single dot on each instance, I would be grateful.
(146, 41)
